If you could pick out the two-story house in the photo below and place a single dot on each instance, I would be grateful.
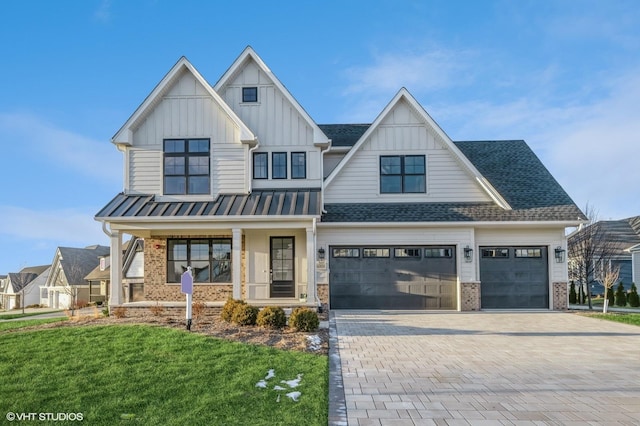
(237, 181)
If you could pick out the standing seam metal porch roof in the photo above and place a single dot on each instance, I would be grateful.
(265, 202)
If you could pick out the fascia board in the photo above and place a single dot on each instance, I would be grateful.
(459, 225)
(318, 135)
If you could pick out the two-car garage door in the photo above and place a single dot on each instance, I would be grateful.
(393, 277)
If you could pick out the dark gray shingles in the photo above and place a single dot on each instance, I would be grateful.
(77, 263)
(344, 134)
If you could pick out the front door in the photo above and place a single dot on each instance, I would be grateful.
(282, 270)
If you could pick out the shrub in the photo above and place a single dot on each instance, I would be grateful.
(229, 308)
(621, 296)
(272, 317)
(610, 296)
(120, 312)
(632, 297)
(573, 296)
(245, 314)
(197, 309)
(304, 319)
(81, 304)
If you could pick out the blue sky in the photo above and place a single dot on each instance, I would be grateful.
(562, 75)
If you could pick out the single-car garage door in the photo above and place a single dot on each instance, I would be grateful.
(392, 277)
(514, 278)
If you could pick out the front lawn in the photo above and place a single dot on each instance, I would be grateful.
(21, 315)
(633, 319)
(143, 374)
(9, 325)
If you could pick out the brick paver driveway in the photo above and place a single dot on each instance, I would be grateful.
(546, 368)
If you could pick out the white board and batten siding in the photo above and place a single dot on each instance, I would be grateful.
(404, 133)
(276, 122)
(186, 111)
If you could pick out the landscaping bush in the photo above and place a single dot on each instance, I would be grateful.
(304, 319)
(157, 309)
(120, 312)
(633, 298)
(272, 317)
(621, 296)
(197, 310)
(229, 307)
(245, 314)
(573, 296)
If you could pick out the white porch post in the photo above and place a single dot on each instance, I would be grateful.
(115, 286)
(236, 260)
(311, 265)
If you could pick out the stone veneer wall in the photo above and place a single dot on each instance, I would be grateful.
(155, 275)
(470, 296)
(560, 296)
(323, 295)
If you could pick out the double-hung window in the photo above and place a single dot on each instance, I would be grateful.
(402, 174)
(209, 258)
(260, 165)
(279, 165)
(298, 165)
(186, 166)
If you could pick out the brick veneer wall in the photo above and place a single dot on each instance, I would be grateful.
(470, 296)
(560, 296)
(155, 275)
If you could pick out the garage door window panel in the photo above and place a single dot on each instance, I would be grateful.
(346, 252)
(499, 253)
(407, 253)
(528, 252)
(438, 252)
(375, 252)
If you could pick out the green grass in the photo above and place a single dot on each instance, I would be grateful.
(633, 319)
(10, 325)
(13, 316)
(134, 374)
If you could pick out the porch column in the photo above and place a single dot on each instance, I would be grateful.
(236, 260)
(115, 286)
(311, 265)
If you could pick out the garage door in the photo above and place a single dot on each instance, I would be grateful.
(514, 278)
(392, 277)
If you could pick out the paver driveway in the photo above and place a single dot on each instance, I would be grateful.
(546, 368)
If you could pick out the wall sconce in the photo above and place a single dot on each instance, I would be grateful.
(559, 251)
(468, 254)
(321, 253)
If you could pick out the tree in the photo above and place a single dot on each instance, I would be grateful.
(621, 296)
(588, 249)
(609, 277)
(573, 297)
(633, 298)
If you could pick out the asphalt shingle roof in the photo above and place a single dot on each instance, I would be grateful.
(78, 262)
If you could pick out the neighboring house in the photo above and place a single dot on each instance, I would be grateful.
(237, 181)
(133, 274)
(21, 288)
(623, 246)
(66, 283)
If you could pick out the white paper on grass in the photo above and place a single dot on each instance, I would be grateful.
(270, 374)
(277, 387)
(261, 384)
(292, 383)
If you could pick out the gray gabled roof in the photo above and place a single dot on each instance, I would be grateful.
(344, 135)
(264, 202)
(78, 262)
(621, 234)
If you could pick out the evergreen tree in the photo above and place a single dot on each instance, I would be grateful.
(633, 298)
(621, 296)
(573, 297)
(610, 296)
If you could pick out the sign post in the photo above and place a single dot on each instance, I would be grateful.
(186, 284)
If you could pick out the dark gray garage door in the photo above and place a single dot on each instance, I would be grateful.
(514, 277)
(392, 277)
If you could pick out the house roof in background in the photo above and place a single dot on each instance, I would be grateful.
(78, 262)
(19, 280)
(344, 135)
(624, 233)
(264, 202)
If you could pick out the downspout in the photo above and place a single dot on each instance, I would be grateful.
(315, 273)
(250, 161)
(322, 174)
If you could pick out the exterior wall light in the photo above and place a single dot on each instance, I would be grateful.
(468, 254)
(321, 253)
(559, 251)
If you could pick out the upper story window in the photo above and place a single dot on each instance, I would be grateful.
(260, 165)
(298, 165)
(249, 94)
(279, 165)
(186, 166)
(402, 174)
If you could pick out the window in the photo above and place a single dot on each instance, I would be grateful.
(375, 252)
(495, 252)
(438, 252)
(346, 252)
(249, 94)
(407, 252)
(279, 165)
(402, 174)
(298, 165)
(210, 259)
(260, 165)
(528, 252)
(186, 166)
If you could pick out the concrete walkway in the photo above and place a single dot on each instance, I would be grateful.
(546, 368)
